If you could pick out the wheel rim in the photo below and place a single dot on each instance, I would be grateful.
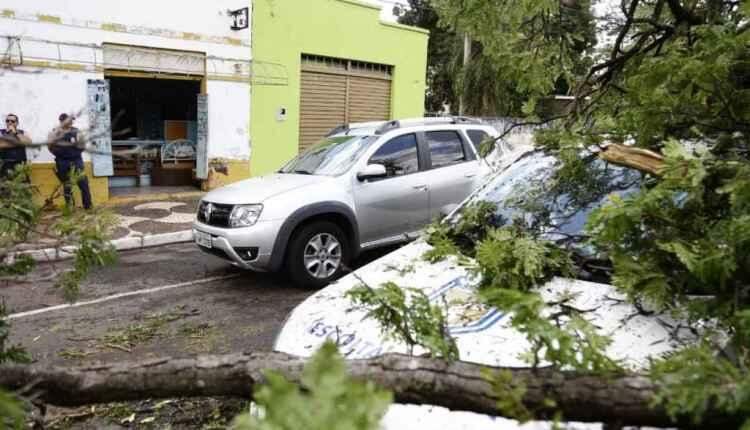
(322, 255)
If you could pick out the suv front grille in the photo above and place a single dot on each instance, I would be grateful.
(218, 216)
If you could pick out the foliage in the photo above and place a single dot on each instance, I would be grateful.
(443, 52)
(442, 245)
(18, 216)
(17, 209)
(406, 315)
(458, 236)
(510, 396)
(486, 86)
(509, 258)
(511, 263)
(564, 339)
(694, 379)
(89, 233)
(674, 78)
(328, 399)
(12, 354)
(21, 220)
(539, 45)
(681, 237)
(11, 412)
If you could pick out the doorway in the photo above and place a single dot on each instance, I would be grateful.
(154, 133)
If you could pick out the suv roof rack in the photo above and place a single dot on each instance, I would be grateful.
(337, 129)
(398, 123)
(386, 126)
(347, 127)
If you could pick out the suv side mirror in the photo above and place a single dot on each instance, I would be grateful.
(372, 171)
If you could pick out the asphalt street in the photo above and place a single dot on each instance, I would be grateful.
(166, 301)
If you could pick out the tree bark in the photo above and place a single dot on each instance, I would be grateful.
(460, 386)
(635, 158)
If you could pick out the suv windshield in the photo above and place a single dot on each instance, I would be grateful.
(330, 157)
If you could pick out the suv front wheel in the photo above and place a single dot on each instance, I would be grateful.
(318, 254)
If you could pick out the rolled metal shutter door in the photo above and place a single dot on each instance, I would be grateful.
(336, 91)
(369, 99)
(322, 106)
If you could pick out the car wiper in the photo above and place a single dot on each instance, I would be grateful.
(302, 172)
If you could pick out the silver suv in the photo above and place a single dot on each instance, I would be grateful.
(365, 185)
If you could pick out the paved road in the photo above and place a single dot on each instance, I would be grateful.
(166, 301)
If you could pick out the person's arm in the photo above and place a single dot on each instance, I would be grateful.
(80, 140)
(52, 139)
(6, 141)
(23, 137)
(13, 138)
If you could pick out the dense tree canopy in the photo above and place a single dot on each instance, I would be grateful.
(486, 86)
(673, 84)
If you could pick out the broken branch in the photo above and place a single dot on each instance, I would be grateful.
(635, 158)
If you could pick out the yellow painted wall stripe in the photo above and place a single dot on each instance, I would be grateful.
(73, 67)
(51, 19)
(122, 28)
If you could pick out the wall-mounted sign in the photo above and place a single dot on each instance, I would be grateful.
(240, 18)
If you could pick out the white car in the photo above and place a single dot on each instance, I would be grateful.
(483, 334)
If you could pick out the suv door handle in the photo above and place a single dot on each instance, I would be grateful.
(470, 175)
(420, 187)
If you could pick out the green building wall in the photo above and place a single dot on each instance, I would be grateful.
(285, 29)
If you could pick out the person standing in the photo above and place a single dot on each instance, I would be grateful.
(13, 142)
(67, 145)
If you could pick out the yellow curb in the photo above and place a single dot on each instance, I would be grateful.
(125, 200)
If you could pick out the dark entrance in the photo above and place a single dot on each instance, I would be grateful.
(154, 133)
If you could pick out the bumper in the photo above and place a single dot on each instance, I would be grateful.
(248, 247)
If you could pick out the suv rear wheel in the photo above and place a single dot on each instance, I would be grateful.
(318, 254)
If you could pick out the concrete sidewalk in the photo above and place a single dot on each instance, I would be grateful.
(142, 221)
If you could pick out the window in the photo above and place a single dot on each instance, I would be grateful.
(446, 148)
(398, 155)
(477, 137)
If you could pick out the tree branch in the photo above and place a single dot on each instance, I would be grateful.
(460, 386)
(683, 15)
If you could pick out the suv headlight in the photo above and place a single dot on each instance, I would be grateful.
(245, 215)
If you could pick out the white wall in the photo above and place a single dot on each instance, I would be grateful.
(228, 120)
(38, 96)
(197, 16)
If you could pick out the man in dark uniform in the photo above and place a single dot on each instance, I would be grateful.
(13, 143)
(67, 146)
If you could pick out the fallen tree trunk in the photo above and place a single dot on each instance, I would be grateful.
(621, 399)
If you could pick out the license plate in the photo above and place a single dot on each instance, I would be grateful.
(203, 239)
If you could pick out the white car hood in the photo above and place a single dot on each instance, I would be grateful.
(257, 190)
(483, 334)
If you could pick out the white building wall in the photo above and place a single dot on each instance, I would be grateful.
(38, 98)
(198, 16)
(225, 124)
(39, 95)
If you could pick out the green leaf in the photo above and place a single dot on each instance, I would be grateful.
(328, 399)
(407, 316)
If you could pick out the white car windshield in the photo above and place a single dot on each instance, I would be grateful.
(331, 156)
(532, 190)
